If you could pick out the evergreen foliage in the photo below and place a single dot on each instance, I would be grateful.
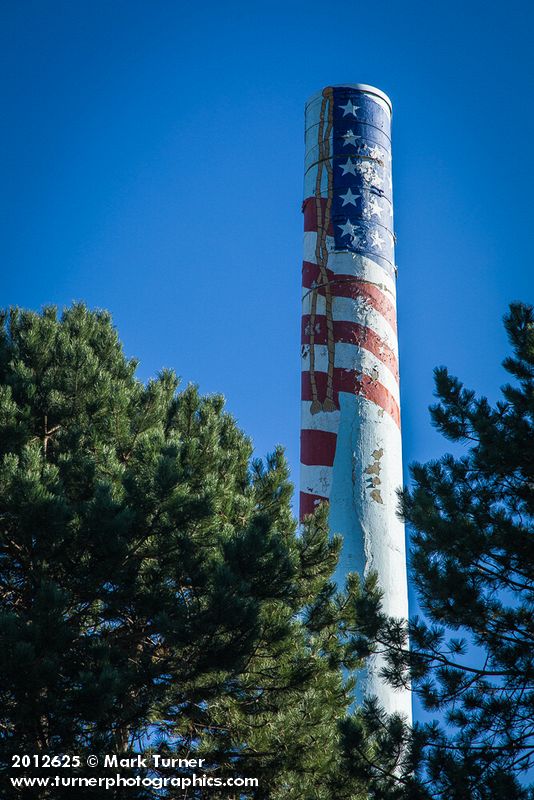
(154, 593)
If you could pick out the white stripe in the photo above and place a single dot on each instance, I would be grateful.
(312, 158)
(351, 264)
(310, 182)
(323, 421)
(316, 480)
(359, 310)
(354, 358)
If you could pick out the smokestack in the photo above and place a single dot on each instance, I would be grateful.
(351, 454)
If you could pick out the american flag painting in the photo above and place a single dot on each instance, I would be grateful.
(351, 452)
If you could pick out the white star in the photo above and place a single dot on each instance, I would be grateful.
(349, 166)
(376, 240)
(350, 108)
(357, 239)
(377, 181)
(349, 198)
(375, 153)
(365, 168)
(350, 138)
(348, 228)
(374, 208)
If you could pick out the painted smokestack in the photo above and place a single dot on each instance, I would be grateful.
(350, 439)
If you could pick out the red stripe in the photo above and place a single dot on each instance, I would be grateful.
(349, 286)
(309, 502)
(353, 383)
(352, 333)
(317, 448)
(309, 209)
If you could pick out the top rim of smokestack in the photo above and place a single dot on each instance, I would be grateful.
(358, 87)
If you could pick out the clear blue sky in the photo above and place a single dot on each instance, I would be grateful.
(152, 165)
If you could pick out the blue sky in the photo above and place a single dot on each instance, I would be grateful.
(152, 165)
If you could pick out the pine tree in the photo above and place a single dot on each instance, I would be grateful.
(471, 656)
(154, 593)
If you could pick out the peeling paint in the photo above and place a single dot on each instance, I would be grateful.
(377, 497)
(374, 468)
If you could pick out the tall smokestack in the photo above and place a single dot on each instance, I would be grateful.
(351, 451)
